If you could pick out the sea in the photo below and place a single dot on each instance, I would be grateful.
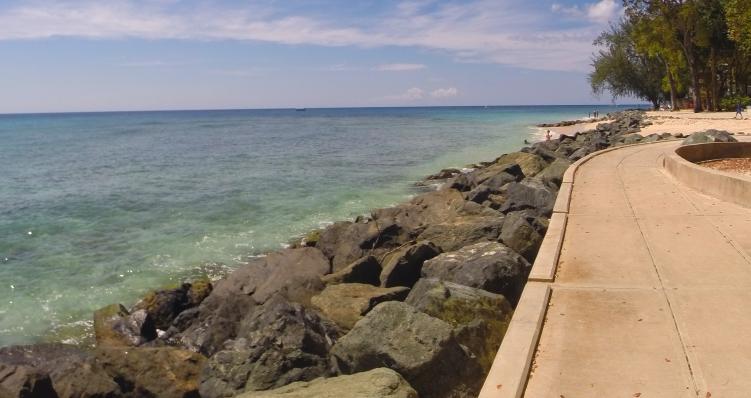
(99, 208)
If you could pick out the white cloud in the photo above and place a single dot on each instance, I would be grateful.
(600, 12)
(399, 67)
(512, 33)
(412, 94)
(445, 92)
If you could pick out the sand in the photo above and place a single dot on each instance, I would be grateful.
(688, 122)
(732, 165)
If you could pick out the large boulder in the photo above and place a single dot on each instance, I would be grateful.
(345, 242)
(280, 343)
(24, 382)
(295, 273)
(523, 231)
(463, 231)
(164, 305)
(402, 267)
(709, 136)
(347, 303)
(153, 372)
(376, 383)
(529, 163)
(532, 194)
(553, 174)
(479, 318)
(115, 326)
(421, 348)
(490, 266)
(364, 270)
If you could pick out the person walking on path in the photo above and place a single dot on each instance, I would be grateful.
(738, 111)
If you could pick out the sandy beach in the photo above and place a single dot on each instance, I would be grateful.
(684, 121)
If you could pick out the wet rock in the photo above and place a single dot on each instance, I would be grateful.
(282, 342)
(163, 306)
(523, 231)
(421, 348)
(443, 174)
(115, 326)
(709, 136)
(490, 266)
(529, 194)
(365, 270)
(402, 266)
(347, 303)
(376, 383)
(479, 318)
(25, 382)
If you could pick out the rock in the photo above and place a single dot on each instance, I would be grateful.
(652, 138)
(115, 326)
(490, 266)
(463, 231)
(709, 136)
(347, 303)
(295, 273)
(365, 270)
(529, 163)
(580, 153)
(529, 194)
(346, 242)
(153, 372)
(163, 306)
(421, 348)
(462, 182)
(402, 266)
(376, 383)
(480, 318)
(631, 139)
(311, 238)
(523, 232)
(280, 343)
(553, 174)
(73, 371)
(25, 382)
(443, 174)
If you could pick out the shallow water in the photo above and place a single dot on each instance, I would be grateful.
(98, 208)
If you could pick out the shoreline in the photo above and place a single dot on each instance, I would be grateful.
(330, 286)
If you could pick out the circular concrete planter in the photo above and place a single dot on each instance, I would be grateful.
(730, 187)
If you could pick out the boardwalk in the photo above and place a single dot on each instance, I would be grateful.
(652, 293)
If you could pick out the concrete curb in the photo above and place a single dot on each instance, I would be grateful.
(734, 188)
(508, 375)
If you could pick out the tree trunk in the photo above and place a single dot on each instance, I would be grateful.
(697, 90)
(671, 81)
(713, 80)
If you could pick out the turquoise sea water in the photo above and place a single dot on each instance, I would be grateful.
(98, 208)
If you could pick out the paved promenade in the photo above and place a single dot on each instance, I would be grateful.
(652, 296)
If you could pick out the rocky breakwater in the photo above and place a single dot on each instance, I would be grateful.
(411, 300)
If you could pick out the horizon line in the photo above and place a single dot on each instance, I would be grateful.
(297, 108)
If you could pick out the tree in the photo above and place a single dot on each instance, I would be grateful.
(621, 70)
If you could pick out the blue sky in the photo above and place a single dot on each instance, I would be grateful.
(82, 55)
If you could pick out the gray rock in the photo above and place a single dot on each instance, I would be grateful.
(115, 326)
(376, 383)
(523, 231)
(421, 348)
(402, 266)
(280, 343)
(490, 266)
(553, 174)
(631, 139)
(347, 303)
(652, 138)
(529, 194)
(709, 136)
(479, 318)
(463, 231)
(164, 305)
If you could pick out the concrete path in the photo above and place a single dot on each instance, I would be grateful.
(652, 296)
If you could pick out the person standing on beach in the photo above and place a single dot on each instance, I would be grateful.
(738, 110)
(547, 135)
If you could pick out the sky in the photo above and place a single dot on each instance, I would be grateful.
(93, 55)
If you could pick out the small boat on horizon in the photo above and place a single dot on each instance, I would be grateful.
(301, 109)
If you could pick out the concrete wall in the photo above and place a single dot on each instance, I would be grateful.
(729, 187)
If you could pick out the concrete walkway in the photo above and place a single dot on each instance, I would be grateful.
(652, 296)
